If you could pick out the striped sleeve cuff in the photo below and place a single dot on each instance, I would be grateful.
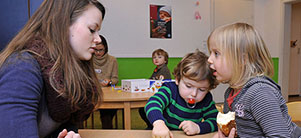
(154, 114)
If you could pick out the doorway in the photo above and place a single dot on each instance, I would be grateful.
(295, 51)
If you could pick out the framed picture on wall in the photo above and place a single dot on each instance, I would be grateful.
(160, 21)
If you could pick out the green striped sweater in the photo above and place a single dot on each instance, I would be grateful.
(168, 105)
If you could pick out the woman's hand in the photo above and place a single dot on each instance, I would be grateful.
(105, 82)
(190, 128)
(221, 135)
(70, 134)
(160, 130)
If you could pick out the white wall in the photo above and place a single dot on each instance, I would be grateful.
(267, 20)
(127, 27)
(227, 12)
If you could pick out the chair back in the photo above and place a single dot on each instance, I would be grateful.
(294, 110)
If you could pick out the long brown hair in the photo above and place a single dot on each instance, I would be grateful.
(51, 23)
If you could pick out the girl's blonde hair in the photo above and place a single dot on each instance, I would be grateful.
(245, 50)
(194, 66)
(51, 23)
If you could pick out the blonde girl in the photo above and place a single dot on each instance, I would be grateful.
(240, 58)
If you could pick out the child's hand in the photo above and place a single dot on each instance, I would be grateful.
(160, 130)
(190, 128)
(220, 134)
(70, 134)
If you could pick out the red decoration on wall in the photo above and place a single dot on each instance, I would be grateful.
(197, 15)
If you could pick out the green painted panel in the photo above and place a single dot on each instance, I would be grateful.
(137, 68)
(276, 69)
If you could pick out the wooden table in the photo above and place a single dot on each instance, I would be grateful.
(113, 99)
(92, 133)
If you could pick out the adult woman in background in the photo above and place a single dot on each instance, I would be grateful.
(47, 79)
(105, 65)
(106, 68)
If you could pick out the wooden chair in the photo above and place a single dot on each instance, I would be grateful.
(294, 110)
(92, 121)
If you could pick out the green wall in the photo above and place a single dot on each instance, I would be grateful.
(137, 68)
(276, 69)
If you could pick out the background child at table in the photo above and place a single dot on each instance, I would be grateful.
(240, 58)
(160, 59)
(106, 69)
(169, 108)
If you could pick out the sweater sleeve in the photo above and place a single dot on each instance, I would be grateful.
(165, 72)
(266, 111)
(209, 116)
(20, 89)
(114, 77)
(157, 103)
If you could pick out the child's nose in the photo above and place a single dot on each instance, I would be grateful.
(210, 59)
(194, 92)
